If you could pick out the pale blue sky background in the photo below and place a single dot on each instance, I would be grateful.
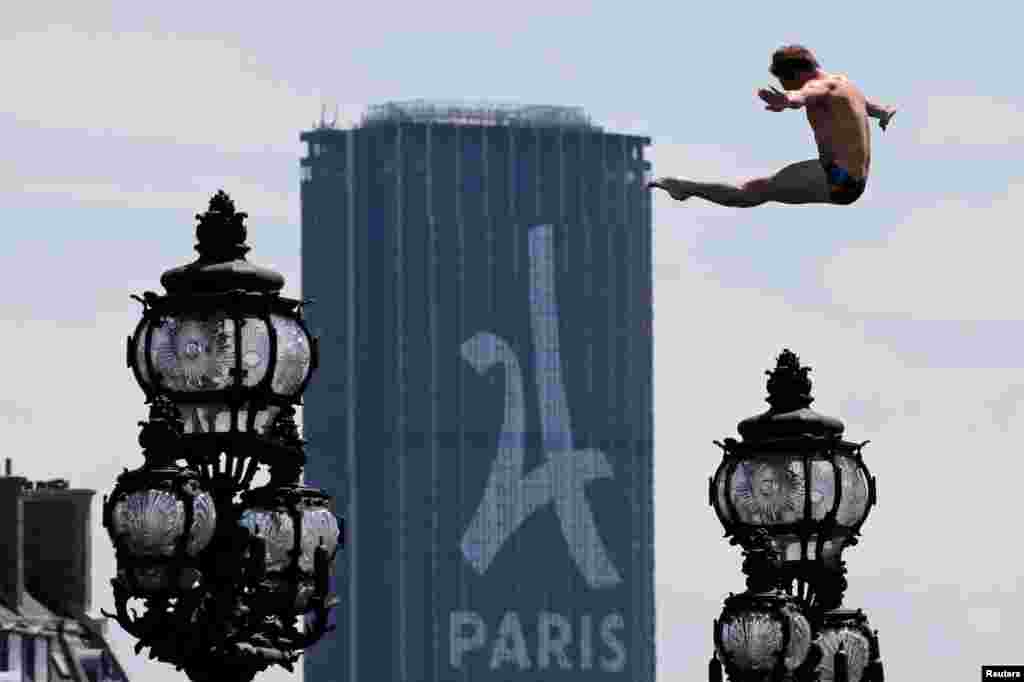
(118, 122)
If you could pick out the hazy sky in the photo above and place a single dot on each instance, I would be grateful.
(118, 124)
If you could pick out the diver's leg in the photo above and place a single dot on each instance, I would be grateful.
(798, 183)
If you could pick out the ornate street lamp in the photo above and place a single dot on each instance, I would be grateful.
(793, 494)
(223, 359)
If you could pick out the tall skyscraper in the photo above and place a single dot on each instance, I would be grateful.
(482, 278)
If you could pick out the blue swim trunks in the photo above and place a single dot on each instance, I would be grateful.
(843, 188)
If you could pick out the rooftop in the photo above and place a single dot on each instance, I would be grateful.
(45, 595)
(478, 113)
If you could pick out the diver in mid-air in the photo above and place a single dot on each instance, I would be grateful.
(838, 113)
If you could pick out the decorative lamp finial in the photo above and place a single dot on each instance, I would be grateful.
(789, 387)
(221, 266)
(789, 394)
(221, 231)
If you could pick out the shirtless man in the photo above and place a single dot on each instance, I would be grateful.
(838, 113)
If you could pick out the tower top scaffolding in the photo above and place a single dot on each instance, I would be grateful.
(478, 114)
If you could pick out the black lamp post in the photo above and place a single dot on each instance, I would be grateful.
(793, 494)
(222, 359)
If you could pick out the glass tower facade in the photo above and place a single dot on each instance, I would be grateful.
(482, 414)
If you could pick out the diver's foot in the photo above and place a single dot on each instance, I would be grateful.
(677, 189)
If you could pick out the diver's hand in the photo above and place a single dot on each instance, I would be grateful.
(887, 114)
(774, 98)
(676, 188)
